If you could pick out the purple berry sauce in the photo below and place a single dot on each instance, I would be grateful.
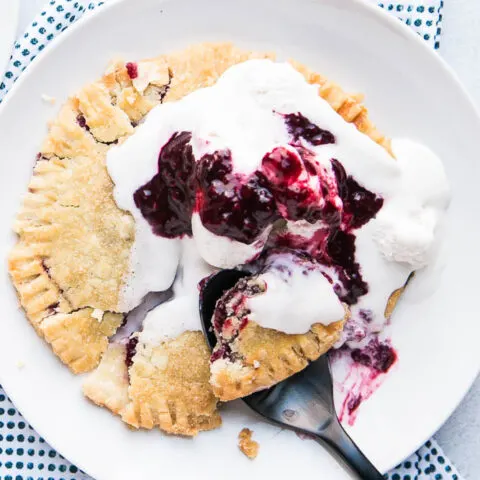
(167, 200)
(354, 403)
(241, 207)
(378, 355)
(301, 127)
(233, 205)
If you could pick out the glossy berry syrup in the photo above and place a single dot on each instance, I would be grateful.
(289, 184)
(359, 204)
(236, 206)
(167, 200)
(359, 207)
(377, 355)
(333, 245)
(301, 188)
(301, 127)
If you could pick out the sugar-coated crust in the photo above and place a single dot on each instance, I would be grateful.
(169, 387)
(73, 241)
(267, 357)
(166, 386)
(78, 338)
(70, 221)
(73, 247)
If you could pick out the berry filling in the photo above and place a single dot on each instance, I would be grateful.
(236, 206)
(82, 122)
(290, 183)
(167, 200)
(377, 355)
(303, 190)
(359, 373)
(132, 70)
(334, 245)
(234, 309)
(359, 204)
(353, 403)
(301, 127)
(231, 316)
(131, 350)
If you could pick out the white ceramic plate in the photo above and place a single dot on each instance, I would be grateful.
(409, 91)
(8, 28)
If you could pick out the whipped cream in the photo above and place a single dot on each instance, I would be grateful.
(297, 296)
(244, 113)
(405, 227)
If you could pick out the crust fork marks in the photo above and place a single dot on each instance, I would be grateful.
(70, 222)
(169, 387)
(348, 106)
(76, 337)
(166, 386)
(266, 357)
(74, 243)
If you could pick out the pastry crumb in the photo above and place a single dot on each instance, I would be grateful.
(256, 364)
(20, 364)
(248, 446)
(98, 314)
(48, 99)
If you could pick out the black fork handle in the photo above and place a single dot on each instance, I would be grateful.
(338, 440)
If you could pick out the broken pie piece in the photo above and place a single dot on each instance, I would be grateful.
(271, 325)
(247, 445)
(166, 385)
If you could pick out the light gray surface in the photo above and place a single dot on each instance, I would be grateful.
(460, 437)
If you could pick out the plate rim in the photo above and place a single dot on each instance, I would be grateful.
(373, 10)
(12, 22)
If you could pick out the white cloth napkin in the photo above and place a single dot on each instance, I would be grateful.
(24, 455)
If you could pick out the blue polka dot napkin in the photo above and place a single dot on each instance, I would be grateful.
(24, 455)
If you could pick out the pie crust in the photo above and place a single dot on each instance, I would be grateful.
(166, 386)
(266, 357)
(247, 445)
(72, 254)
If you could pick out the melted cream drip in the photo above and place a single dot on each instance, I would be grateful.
(181, 313)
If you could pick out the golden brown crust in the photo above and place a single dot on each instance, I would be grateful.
(107, 386)
(74, 243)
(169, 387)
(201, 65)
(78, 338)
(70, 221)
(267, 357)
(166, 386)
(247, 445)
(349, 106)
